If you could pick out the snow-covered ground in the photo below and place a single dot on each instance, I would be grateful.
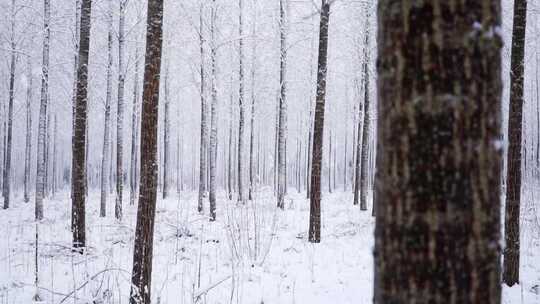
(251, 254)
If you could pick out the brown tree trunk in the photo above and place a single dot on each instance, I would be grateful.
(78, 165)
(318, 128)
(437, 226)
(141, 278)
(513, 177)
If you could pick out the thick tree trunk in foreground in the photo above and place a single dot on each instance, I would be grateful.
(40, 175)
(318, 128)
(78, 166)
(106, 132)
(513, 177)
(141, 278)
(282, 121)
(438, 159)
(120, 115)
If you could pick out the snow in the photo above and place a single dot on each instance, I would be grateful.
(251, 254)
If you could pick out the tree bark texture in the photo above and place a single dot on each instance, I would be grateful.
(437, 194)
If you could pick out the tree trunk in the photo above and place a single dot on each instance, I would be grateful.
(141, 278)
(437, 226)
(40, 175)
(6, 189)
(240, 106)
(318, 127)
(230, 152)
(366, 126)
(513, 177)
(282, 126)
(106, 132)
(204, 121)
(54, 156)
(78, 166)
(213, 118)
(28, 144)
(134, 128)
(120, 115)
(252, 120)
(166, 134)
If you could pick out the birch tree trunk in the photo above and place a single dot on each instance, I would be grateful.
(28, 144)
(6, 189)
(204, 121)
(515, 121)
(439, 133)
(40, 175)
(120, 115)
(213, 119)
(314, 234)
(79, 144)
(141, 278)
(134, 128)
(106, 132)
(282, 127)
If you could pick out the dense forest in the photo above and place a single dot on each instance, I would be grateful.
(284, 151)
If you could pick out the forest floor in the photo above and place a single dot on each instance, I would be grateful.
(251, 254)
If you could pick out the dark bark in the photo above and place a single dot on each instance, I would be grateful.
(240, 106)
(515, 121)
(437, 194)
(141, 278)
(366, 125)
(28, 145)
(120, 115)
(204, 122)
(318, 127)
(282, 121)
(166, 134)
(78, 165)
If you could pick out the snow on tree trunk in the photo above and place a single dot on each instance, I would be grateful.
(437, 228)
(134, 128)
(40, 175)
(515, 121)
(166, 134)
(120, 115)
(141, 278)
(28, 144)
(78, 166)
(204, 120)
(6, 189)
(282, 121)
(213, 118)
(314, 234)
(240, 105)
(366, 126)
(106, 131)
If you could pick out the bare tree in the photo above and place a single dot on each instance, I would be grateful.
(318, 127)
(28, 145)
(106, 132)
(134, 128)
(439, 133)
(120, 114)
(240, 104)
(166, 133)
(252, 120)
(141, 278)
(6, 189)
(282, 120)
(204, 120)
(366, 125)
(78, 165)
(214, 114)
(40, 176)
(515, 121)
